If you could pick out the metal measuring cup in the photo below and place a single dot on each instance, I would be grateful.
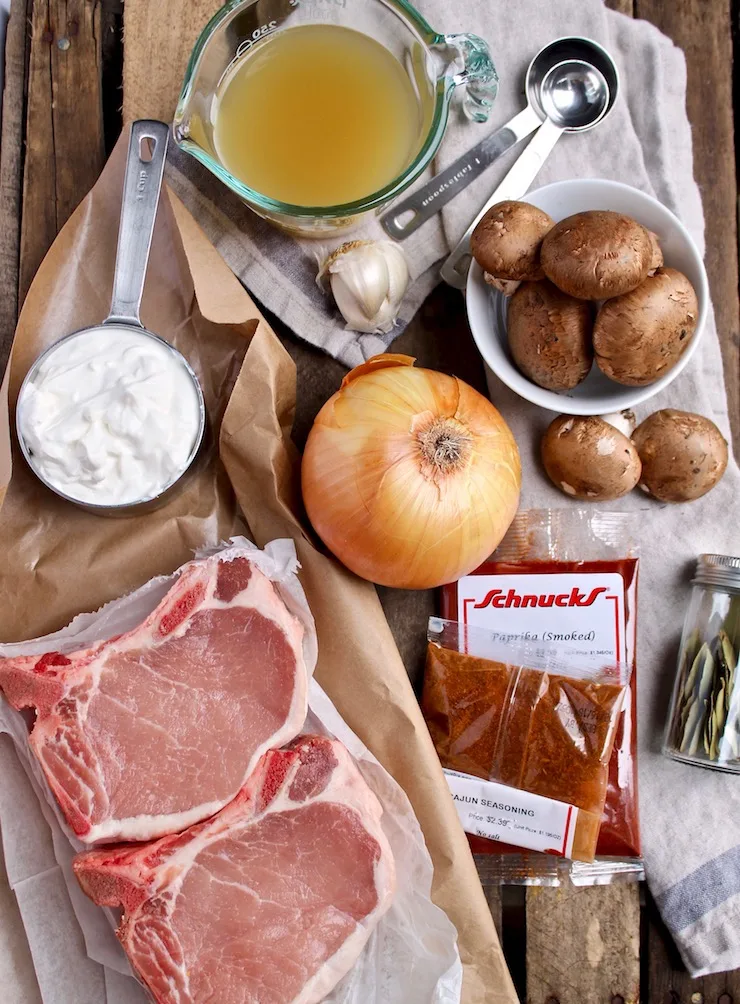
(141, 189)
(548, 73)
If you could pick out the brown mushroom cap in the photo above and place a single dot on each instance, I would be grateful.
(683, 455)
(506, 242)
(589, 459)
(639, 336)
(597, 254)
(550, 335)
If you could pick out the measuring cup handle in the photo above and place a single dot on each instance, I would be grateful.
(141, 186)
(426, 201)
(513, 186)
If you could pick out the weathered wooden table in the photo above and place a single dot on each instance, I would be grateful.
(61, 116)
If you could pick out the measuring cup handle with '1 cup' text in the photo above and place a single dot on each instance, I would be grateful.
(141, 187)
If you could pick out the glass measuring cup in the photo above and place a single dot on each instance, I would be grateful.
(436, 65)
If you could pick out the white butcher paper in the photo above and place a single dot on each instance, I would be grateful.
(411, 956)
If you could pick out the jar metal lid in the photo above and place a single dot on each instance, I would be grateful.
(718, 570)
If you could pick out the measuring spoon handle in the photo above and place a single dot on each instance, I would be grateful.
(141, 186)
(426, 201)
(455, 269)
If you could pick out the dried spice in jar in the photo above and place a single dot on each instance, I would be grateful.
(539, 736)
(704, 720)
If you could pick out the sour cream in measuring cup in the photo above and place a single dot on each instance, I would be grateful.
(110, 416)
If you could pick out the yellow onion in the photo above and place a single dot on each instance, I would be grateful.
(410, 477)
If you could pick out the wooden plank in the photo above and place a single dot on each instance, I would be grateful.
(38, 218)
(514, 935)
(668, 981)
(583, 945)
(623, 6)
(111, 47)
(11, 172)
(154, 65)
(703, 29)
(64, 123)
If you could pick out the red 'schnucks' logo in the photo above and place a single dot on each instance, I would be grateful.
(575, 598)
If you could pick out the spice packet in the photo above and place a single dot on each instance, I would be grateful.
(524, 731)
(551, 553)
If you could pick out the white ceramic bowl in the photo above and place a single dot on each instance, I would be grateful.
(597, 395)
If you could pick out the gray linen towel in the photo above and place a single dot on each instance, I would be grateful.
(690, 817)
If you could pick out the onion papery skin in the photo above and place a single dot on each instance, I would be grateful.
(372, 494)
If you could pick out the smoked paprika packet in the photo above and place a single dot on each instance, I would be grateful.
(525, 732)
(567, 576)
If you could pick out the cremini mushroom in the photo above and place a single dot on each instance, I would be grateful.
(597, 254)
(550, 335)
(506, 242)
(588, 458)
(642, 334)
(683, 455)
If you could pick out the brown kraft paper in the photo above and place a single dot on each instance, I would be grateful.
(58, 560)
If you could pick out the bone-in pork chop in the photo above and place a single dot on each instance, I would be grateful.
(147, 733)
(269, 902)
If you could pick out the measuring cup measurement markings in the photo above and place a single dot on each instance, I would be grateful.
(574, 95)
(408, 215)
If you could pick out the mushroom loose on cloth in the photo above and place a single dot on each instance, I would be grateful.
(692, 856)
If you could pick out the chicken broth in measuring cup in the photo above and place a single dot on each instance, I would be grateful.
(317, 115)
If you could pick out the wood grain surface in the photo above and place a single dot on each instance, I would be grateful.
(702, 28)
(564, 946)
(64, 123)
(154, 65)
(11, 170)
(583, 945)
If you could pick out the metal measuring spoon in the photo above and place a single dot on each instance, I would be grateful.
(575, 96)
(407, 216)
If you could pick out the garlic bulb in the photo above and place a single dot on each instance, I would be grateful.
(368, 280)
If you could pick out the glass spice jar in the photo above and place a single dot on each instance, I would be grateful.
(704, 720)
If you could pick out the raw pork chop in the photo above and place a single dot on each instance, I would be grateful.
(269, 902)
(157, 729)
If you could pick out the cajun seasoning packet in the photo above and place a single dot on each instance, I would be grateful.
(525, 734)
